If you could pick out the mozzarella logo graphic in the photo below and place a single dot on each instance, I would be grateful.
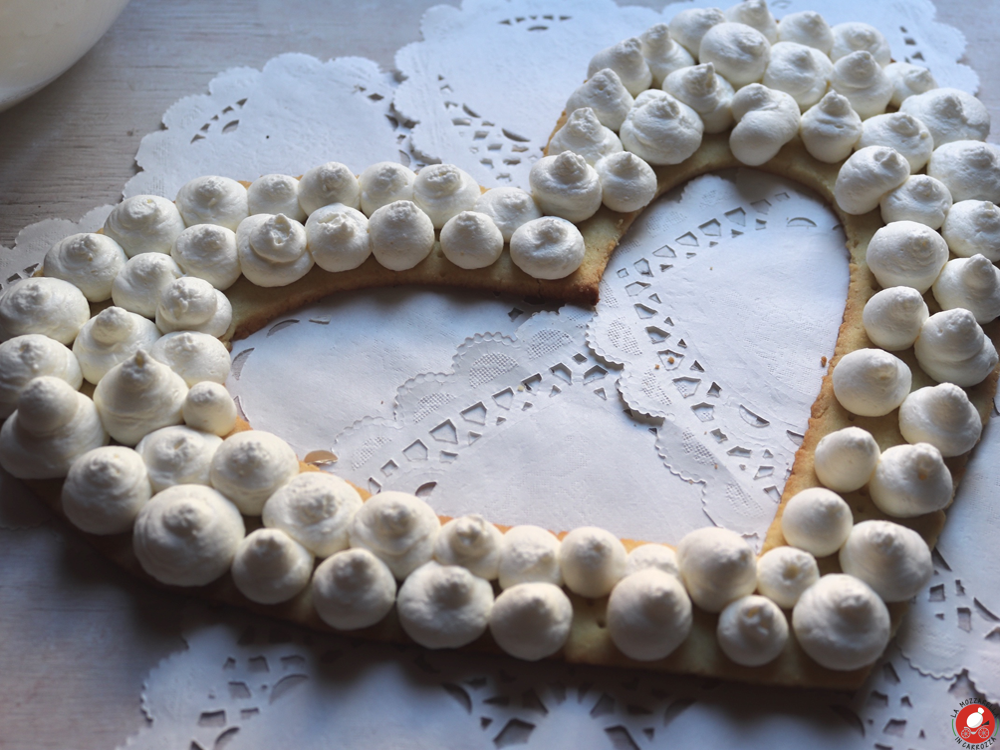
(974, 725)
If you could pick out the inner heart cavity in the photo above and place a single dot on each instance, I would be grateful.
(677, 402)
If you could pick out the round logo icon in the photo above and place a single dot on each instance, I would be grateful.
(975, 724)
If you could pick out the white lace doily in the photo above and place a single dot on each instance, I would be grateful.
(489, 81)
(676, 403)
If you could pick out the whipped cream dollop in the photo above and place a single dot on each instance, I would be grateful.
(900, 131)
(250, 466)
(866, 176)
(272, 250)
(627, 182)
(529, 554)
(144, 224)
(752, 631)
(830, 129)
(444, 606)
(444, 190)
(845, 459)
(969, 169)
(187, 535)
(953, 348)
(950, 114)
(194, 356)
(921, 199)
(471, 240)
(906, 253)
(138, 396)
(531, 620)
(192, 304)
(801, 71)
(663, 55)
(860, 78)
(841, 623)
(24, 358)
(566, 185)
(706, 92)
(894, 560)
(49, 306)
(270, 567)
(88, 261)
(660, 129)
(584, 134)
(754, 13)
(911, 480)
(783, 573)
(592, 561)
(401, 235)
(353, 589)
(604, 93)
(209, 252)
(972, 283)
(816, 520)
(329, 183)
(383, 183)
(943, 416)
(765, 121)
(52, 425)
(212, 200)
(717, 567)
(275, 194)
(178, 455)
(871, 382)
(855, 36)
(739, 52)
(547, 248)
(806, 27)
(138, 286)
(315, 509)
(401, 529)
(656, 556)
(105, 489)
(908, 80)
(472, 542)
(626, 59)
(689, 26)
(111, 337)
(337, 237)
(894, 317)
(649, 614)
(973, 227)
(209, 407)
(509, 207)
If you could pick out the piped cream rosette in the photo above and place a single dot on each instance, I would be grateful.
(629, 130)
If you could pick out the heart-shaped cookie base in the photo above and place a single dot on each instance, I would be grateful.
(589, 641)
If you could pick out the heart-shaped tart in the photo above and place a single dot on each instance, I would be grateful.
(149, 459)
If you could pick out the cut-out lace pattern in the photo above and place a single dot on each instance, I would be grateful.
(260, 684)
(723, 362)
(230, 131)
(497, 131)
(721, 448)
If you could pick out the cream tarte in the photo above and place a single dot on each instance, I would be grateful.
(394, 227)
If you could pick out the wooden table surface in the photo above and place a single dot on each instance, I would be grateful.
(72, 660)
